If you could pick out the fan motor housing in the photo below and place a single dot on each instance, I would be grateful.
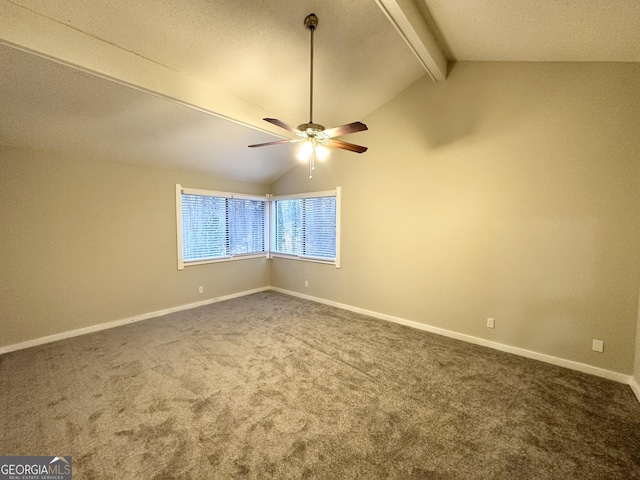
(311, 127)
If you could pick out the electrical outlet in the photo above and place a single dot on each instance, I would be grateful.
(491, 323)
(597, 346)
(306, 283)
(200, 289)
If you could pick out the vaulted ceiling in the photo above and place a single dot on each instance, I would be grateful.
(185, 83)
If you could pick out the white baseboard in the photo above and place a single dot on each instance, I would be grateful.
(581, 367)
(123, 321)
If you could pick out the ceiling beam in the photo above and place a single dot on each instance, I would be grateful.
(34, 33)
(409, 22)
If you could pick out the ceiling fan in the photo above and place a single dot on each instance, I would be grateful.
(314, 136)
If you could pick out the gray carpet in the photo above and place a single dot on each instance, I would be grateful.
(271, 386)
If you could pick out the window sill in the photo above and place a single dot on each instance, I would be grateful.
(305, 259)
(222, 259)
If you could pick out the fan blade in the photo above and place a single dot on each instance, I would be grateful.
(281, 124)
(273, 143)
(344, 129)
(348, 146)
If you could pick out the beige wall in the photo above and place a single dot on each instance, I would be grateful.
(508, 191)
(86, 242)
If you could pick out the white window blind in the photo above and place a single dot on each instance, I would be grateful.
(307, 227)
(204, 227)
(214, 226)
(288, 226)
(246, 226)
(319, 221)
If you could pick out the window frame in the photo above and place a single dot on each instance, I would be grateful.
(180, 190)
(337, 193)
(269, 226)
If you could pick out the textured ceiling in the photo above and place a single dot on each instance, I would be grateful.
(536, 30)
(254, 52)
(48, 106)
(195, 64)
(259, 51)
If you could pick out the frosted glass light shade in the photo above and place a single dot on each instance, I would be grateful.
(305, 151)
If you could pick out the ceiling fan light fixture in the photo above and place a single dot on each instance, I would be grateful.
(312, 146)
(309, 151)
(314, 137)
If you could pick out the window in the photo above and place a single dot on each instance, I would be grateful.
(307, 226)
(221, 226)
(214, 226)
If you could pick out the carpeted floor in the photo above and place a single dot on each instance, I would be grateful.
(271, 386)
